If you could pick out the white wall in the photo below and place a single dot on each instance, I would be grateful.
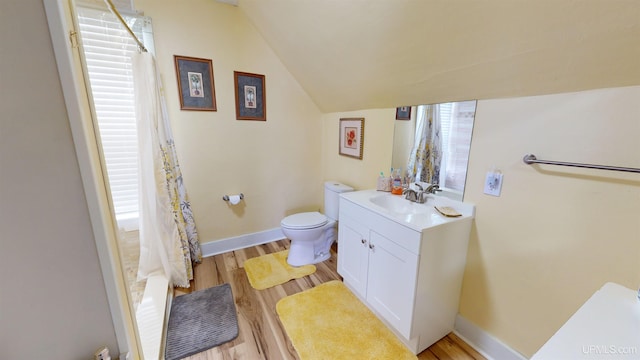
(53, 303)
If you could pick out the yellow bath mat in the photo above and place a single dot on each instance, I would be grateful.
(329, 322)
(272, 269)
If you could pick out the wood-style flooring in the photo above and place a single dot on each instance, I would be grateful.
(261, 336)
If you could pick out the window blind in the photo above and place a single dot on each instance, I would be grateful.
(108, 49)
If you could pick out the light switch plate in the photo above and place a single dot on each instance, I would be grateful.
(493, 184)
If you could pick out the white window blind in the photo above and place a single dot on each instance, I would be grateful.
(107, 50)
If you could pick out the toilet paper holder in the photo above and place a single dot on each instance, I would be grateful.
(226, 197)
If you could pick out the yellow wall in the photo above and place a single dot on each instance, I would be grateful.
(556, 234)
(403, 139)
(378, 141)
(404, 52)
(536, 253)
(273, 163)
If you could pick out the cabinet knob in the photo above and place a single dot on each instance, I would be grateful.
(363, 241)
(371, 246)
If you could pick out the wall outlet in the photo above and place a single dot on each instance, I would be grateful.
(493, 184)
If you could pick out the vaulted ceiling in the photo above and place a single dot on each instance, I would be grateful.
(358, 54)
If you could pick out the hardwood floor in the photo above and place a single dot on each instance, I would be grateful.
(261, 336)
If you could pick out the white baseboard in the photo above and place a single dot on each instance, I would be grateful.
(240, 242)
(483, 342)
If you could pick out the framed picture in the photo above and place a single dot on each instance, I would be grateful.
(351, 137)
(195, 83)
(403, 113)
(251, 101)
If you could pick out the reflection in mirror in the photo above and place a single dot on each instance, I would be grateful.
(433, 145)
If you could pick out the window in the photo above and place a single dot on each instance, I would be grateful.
(107, 51)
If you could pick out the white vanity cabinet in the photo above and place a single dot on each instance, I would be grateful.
(372, 264)
(410, 279)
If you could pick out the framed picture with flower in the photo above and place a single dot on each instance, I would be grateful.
(351, 137)
(195, 83)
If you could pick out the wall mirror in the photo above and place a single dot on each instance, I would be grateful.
(450, 131)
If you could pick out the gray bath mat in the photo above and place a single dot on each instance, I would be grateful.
(201, 320)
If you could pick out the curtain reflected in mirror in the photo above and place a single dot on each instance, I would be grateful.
(433, 146)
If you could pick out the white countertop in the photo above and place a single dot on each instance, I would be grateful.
(607, 326)
(425, 218)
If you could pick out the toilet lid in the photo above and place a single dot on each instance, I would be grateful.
(306, 220)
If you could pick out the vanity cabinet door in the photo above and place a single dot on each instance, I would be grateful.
(353, 254)
(391, 284)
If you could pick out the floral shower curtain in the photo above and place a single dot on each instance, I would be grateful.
(426, 155)
(168, 235)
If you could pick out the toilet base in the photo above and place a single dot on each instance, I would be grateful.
(310, 246)
(300, 255)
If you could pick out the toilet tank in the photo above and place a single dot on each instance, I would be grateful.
(332, 191)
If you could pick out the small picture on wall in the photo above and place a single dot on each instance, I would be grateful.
(350, 140)
(403, 113)
(251, 103)
(249, 97)
(195, 83)
(351, 137)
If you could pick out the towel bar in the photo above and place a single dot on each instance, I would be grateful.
(531, 159)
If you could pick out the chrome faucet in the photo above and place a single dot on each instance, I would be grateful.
(410, 195)
(432, 189)
(420, 196)
(415, 196)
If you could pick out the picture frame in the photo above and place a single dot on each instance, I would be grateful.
(351, 141)
(251, 103)
(196, 87)
(403, 113)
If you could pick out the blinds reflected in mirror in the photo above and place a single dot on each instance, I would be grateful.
(457, 126)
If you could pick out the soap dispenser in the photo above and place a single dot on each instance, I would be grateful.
(396, 187)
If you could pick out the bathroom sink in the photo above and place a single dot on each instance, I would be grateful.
(410, 214)
(398, 204)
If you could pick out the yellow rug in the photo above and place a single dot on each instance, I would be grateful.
(329, 322)
(272, 269)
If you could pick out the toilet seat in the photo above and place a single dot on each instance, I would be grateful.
(307, 220)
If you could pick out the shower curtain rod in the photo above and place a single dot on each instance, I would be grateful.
(115, 12)
(531, 159)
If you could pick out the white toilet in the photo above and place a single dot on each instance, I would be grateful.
(312, 233)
